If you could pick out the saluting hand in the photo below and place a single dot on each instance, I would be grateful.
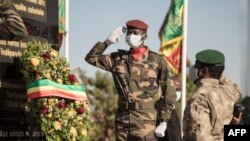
(116, 35)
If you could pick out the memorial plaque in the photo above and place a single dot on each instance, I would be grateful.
(32, 9)
(39, 26)
(16, 123)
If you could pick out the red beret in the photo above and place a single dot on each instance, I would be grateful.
(137, 24)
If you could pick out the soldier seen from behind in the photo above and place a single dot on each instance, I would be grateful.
(140, 78)
(211, 107)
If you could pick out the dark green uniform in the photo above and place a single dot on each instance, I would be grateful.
(139, 83)
(11, 24)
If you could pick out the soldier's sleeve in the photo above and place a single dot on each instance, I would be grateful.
(96, 57)
(196, 121)
(163, 76)
(167, 84)
(11, 25)
(168, 92)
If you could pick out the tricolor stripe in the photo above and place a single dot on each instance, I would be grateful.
(45, 87)
(172, 51)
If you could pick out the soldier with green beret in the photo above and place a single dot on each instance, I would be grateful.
(212, 57)
(11, 24)
(211, 106)
(141, 78)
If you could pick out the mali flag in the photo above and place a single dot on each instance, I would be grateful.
(171, 35)
(61, 21)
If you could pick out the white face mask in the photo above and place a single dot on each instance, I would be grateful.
(193, 74)
(134, 40)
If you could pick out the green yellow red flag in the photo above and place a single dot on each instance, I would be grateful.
(171, 36)
(61, 20)
(61, 14)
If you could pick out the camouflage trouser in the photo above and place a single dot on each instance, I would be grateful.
(123, 133)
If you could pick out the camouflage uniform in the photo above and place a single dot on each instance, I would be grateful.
(209, 109)
(139, 85)
(11, 24)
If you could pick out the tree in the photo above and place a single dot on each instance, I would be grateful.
(190, 90)
(103, 103)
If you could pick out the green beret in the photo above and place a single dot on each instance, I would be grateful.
(212, 57)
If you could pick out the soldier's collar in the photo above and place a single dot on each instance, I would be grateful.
(209, 82)
(143, 57)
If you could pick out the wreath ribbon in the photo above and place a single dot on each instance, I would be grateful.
(45, 87)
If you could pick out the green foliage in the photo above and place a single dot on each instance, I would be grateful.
(40, 61)
(61, 119)
(190, 90)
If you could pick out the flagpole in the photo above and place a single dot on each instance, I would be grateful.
(66, 34)
(184, 62)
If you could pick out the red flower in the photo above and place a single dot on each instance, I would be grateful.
(80, 110)
(44, 110)
(46, 56)
(61, 105)
(35, 74)
(72, 78)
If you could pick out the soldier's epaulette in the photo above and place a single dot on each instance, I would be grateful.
(122, 51)
(153, 52)
(157, 54)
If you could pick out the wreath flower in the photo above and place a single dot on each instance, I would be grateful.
(54, 95)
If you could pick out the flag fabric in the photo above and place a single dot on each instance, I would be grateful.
(171, 36)
(61, 12)
(61, 21)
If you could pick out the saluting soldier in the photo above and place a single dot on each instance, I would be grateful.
(11, 24)
(140, 77)
(211, 107)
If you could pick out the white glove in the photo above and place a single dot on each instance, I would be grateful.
(178, 95)
(160, 129)
(116, 35)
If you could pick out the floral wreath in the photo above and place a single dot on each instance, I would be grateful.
(54, 95)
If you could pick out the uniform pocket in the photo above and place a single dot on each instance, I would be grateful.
(150, 73)
(120, 75)
(120, 69)
(148, 83)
